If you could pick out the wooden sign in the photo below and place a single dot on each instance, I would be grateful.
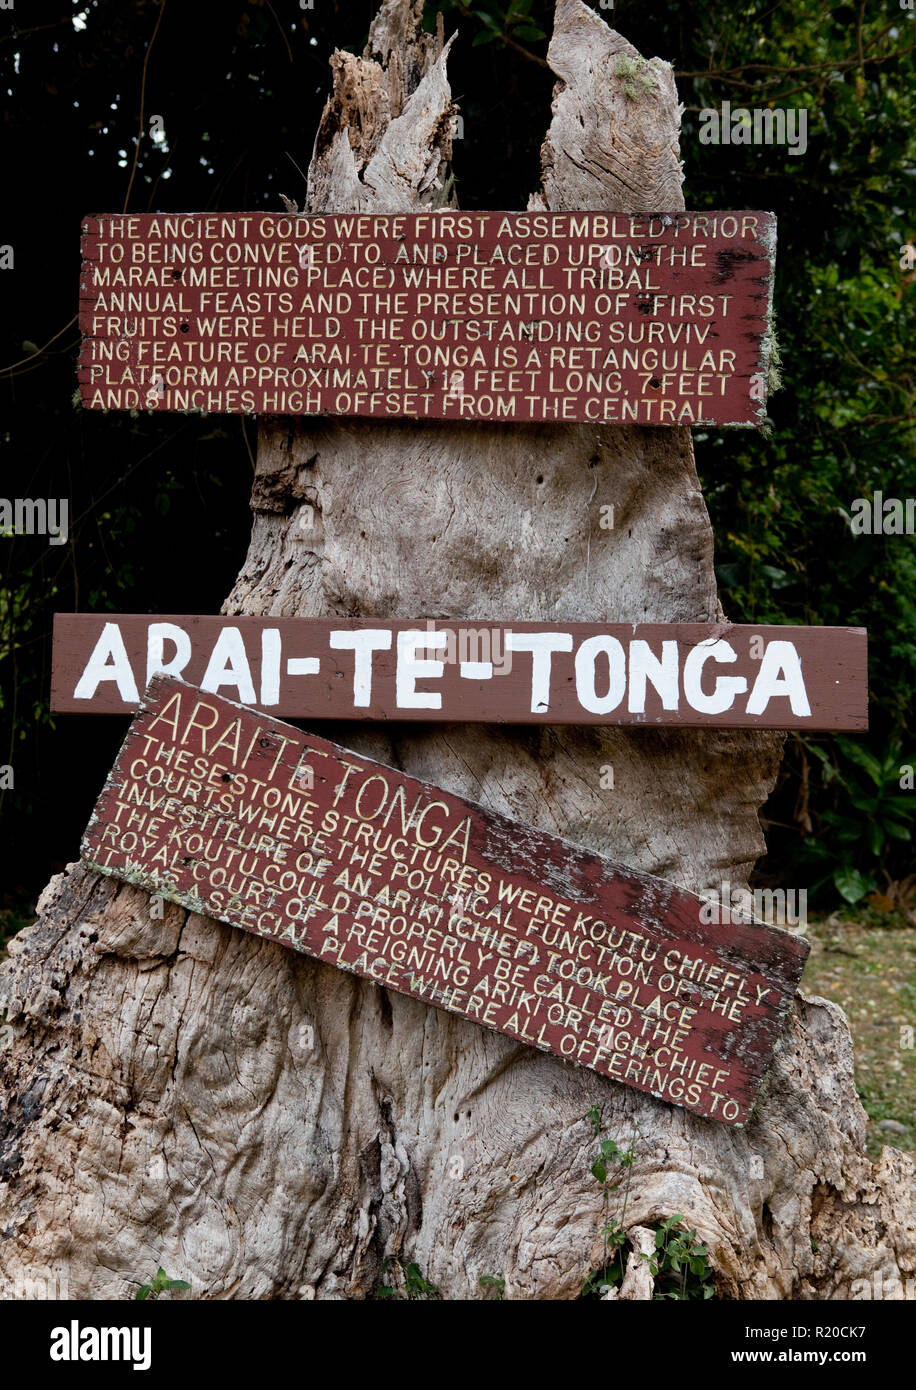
(441, 315)
(260, 825)
(712, 675)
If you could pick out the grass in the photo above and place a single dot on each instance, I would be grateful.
(866, 962)
(863, 960)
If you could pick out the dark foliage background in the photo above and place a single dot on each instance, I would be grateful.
(159, 516)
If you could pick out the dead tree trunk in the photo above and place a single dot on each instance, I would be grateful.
(182, 1093)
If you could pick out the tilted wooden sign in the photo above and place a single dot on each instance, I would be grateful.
(691, 674)
(441, 315)
(260, 825)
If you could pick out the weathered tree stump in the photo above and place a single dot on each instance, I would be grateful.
(182, 1093)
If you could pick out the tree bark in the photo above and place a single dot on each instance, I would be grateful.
(184, 1094)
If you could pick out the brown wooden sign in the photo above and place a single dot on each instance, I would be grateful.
(253, 822)
(441, 315)
(712, 675)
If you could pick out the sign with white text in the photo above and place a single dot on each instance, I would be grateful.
(691, 674)
(545, 316)
(298, 840)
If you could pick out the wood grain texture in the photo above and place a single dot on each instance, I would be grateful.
(613, 142)
(161, 1104)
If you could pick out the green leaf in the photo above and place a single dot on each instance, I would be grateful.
(143, 1293)
(862, 758)
(485, 36)
(599, 1169)
(852, 885)
(530, 32)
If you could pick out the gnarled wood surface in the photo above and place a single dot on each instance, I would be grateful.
(181, 1093)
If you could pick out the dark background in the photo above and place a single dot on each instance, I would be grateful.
(159, 505)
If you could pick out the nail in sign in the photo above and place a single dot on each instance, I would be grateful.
(242, 818)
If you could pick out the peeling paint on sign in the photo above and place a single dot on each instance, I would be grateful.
(423, 892)
(520, 317)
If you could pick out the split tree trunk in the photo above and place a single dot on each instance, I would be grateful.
(184, 1094)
